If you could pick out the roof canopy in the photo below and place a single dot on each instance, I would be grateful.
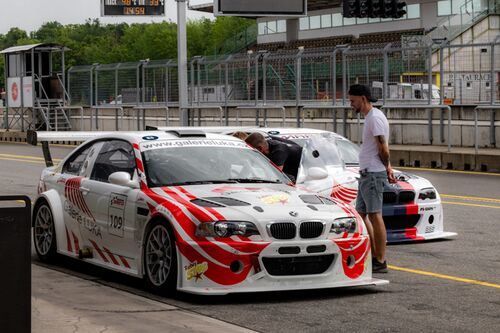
(311, 5)
(37, 47)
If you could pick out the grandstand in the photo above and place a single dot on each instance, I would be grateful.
(324, 26)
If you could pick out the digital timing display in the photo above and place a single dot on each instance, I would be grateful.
(132, 7)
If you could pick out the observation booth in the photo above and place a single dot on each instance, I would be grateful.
(35, 87)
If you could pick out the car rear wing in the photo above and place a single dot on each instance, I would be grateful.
(45, 138)
(206, 129)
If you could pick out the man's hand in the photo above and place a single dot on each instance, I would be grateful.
(390, 176)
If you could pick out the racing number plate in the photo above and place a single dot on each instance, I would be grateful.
(116, 214)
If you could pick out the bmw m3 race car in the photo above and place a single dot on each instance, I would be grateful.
(203, 213)
(412, 207)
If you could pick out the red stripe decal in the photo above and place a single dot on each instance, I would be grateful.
(124, 261)
(135, 145)
(113, 259)
(68, 241)
(103, 257)
(77, 244)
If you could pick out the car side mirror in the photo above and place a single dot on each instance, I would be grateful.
(122, 178)
(317, 173)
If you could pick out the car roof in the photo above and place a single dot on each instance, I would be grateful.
(172, 133)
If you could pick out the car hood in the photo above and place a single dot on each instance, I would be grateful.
(255, 202)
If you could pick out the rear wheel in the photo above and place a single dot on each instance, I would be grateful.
(44, 234)
(160, 257)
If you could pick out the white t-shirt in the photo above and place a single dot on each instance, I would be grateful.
(375, 124)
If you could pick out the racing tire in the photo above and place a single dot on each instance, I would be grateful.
(160, 258)
(44, 233)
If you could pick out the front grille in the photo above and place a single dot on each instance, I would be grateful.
(399, 222)
(298, 265)
(402, 197)
(406, 196)
(390, 197)
(311, 229)
(283, 230)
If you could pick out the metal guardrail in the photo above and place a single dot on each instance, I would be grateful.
(143, 108)
(257, 109)
(492, 109)
(97, 108)
(430, 108)
(333, 108)
(208, 107)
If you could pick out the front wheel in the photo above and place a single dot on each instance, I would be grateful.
(160, 257)
(44, 233)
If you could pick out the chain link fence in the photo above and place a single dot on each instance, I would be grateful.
(415, 71)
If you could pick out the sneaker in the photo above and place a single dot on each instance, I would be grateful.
(379, 267)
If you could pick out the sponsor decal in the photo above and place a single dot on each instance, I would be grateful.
(61, 180)
(150, 137)
(82, 220)
(426, 209)
(276, 199)
(195, 271)
(193, 143)
(116, 214)
(14, 91)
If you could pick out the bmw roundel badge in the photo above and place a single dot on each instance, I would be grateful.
(293, 213)
(150, 137)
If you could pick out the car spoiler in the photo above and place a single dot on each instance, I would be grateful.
(206, 129)
(45, 138)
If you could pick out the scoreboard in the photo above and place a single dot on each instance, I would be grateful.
(133, 7)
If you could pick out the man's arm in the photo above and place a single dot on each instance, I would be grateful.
(383, 153)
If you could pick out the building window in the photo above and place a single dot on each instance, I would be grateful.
(413, 11)
(281, 26)
(349, 21)
(271, 27)
(315, 22)
(362, 20)
(304, 23)
(444, 8)
(336, 20)
(261, 27)
(326, 21)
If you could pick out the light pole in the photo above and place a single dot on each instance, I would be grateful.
(182, 62)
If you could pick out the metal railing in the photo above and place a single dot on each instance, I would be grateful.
(143, 108)
(430, 108)
(207, 107)
(96, 115)
(259, 108)
(69, 108)
(493, 109)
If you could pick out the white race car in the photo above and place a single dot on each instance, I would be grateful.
(203, 213)
(412, 207)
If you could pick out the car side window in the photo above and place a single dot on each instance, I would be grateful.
(75, 164)
(115, 155)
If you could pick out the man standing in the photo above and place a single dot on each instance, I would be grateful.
(283, 153)
(375, 169)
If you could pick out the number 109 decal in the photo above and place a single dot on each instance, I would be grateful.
(116, 214)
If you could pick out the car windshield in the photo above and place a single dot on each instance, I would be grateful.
(208, 165)
(349, 152)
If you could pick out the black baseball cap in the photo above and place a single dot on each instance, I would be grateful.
(361, 90)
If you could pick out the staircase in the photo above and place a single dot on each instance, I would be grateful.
(51, 115)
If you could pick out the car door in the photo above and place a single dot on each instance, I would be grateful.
(114, 206)
(77, 215)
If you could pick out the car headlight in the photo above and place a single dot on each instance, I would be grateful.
(226, 229)
(344, 224)
(427, 193)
